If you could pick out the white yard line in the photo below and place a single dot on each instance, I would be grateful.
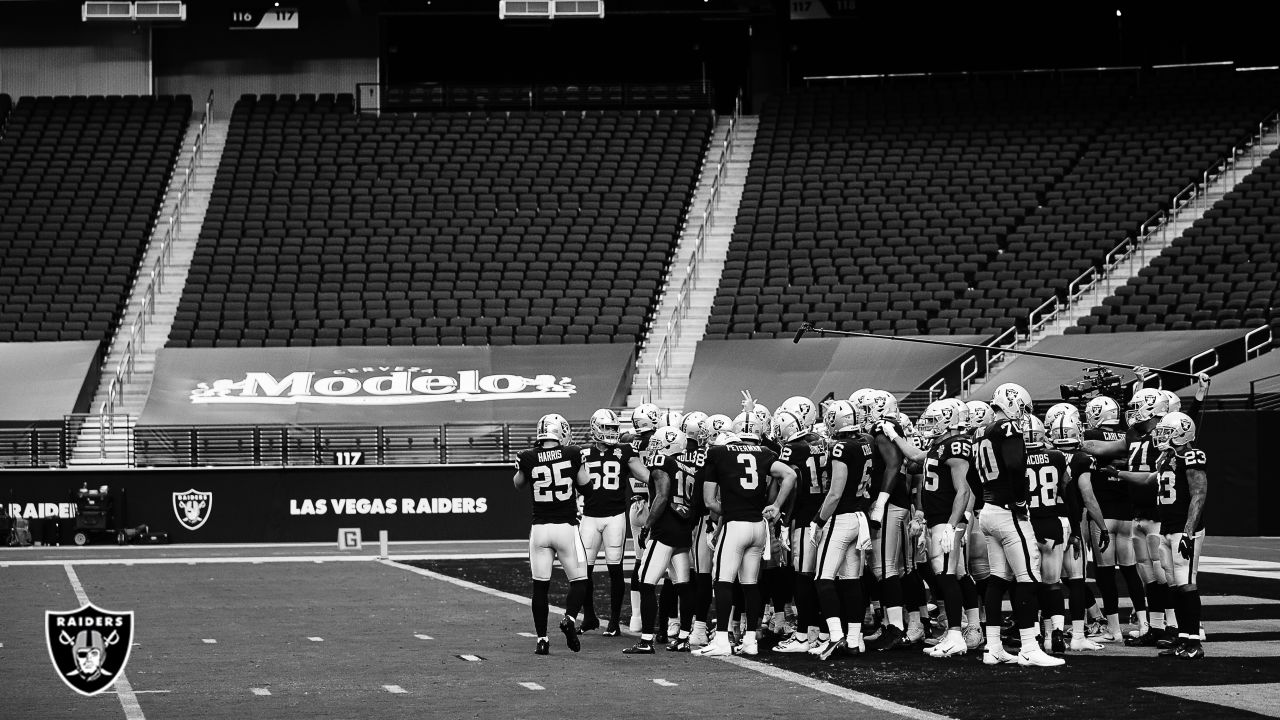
(316, 639)
(664, 683)
(394, 689)
(420, 636)
(128, 698)
(210, 641)
(260, 691)
(531, 686)
(823, 687)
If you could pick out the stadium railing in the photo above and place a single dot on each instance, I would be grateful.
(684, 295)
(138, 328)
(376, 98)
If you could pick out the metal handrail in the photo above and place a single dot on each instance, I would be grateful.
(1161, 220)
(684, 294)
(1252, 348)
(155, 278)
(1210, 353)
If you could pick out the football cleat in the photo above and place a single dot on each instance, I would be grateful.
(589, 624)
(973, 637)
(543, 647)
(1095, 629)
(793, 645)
(997, 656)
(1151, 638)
(678, 645)
(1169, 638)
(1138, 631)
(1038, 658)
(698, 637)
(570, 631)
(613, 630)
(660, 637)
(915, 633)
(1192, 651)
(750, 649)
(1079, 644)
(946, 648)
(891, 639)
(824, 650)
(713, 650)
(1058, 639)
(1108, 636)
(1173, 650)
(643, 647)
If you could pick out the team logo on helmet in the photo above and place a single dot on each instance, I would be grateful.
(192, 508)
(89, 647)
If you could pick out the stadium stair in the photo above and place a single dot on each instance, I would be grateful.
(679, 324)
(105, 438)
(1130, 265)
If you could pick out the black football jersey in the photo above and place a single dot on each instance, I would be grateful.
(742, 472)
(900, 495)
(1079, 463)
(1002, 484)
(551, 474)
(809, 463)
(608, 468)
(1142, 456)
(675, 526)
(1112, 495)
(1046, 474)
(1173, 490)
(937, 491)
(857, 455)
(639, 444)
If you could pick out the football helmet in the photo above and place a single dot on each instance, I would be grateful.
(979, 414)
(719, 423)
(553, 427)
(1100, 411)
(876, 405)
(694, 425)
(670, 418)
(1173, 431)
(1033, 432)
(667, 441)
(908, 427)
(1145, 404)
(724, 437)
(802, 407)
(934, 420)
(1175, 402)
(1059, 409)
(959, 414)
(753, 425)
(824, 436)
(645, 417)
(1013, 400)
(1064, 432)
(787, 427)
(842, 418)
(605, 427)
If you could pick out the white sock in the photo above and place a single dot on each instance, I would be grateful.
(1157, 620)
(1059, 622)
(722, 637)
(699, 626)
(646, 637)
(1028, 636)
(993, 639)
(1047, 627)
(913, 617)
(779, 618)
(1077, 629)
(833, 627)
(635, 603)
(895, 616)
(971, 617)
(1144, 618)
(543, 638)
(684, 635)
(855, 634)
(1113, 623)
(1170, 618)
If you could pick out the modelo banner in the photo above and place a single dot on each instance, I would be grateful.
(385, 385)
(47, 380)
(283, 504)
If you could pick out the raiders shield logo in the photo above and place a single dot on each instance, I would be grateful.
(89, 647)
(192, 508)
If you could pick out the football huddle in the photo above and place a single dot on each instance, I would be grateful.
(852, 523)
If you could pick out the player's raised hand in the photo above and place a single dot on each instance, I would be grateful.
(748, 402)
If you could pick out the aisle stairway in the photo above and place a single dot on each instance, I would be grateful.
(662, 371)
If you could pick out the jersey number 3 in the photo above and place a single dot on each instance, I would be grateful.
(751, 475)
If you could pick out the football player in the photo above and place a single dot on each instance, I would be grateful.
(1102, 414)
(841, 532)
(889, 513)
(605, 464)
(1182, 485)
(1046, 480)
(550, 471)
(980, 415)
(1011, 550)
(644, 422)
(1133, 452)
(944, 497)
(1065, 435)
(696, 426)
(739, 491)
(804, 453)
(667, 534)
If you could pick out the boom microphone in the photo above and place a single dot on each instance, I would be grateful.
(804, 327)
